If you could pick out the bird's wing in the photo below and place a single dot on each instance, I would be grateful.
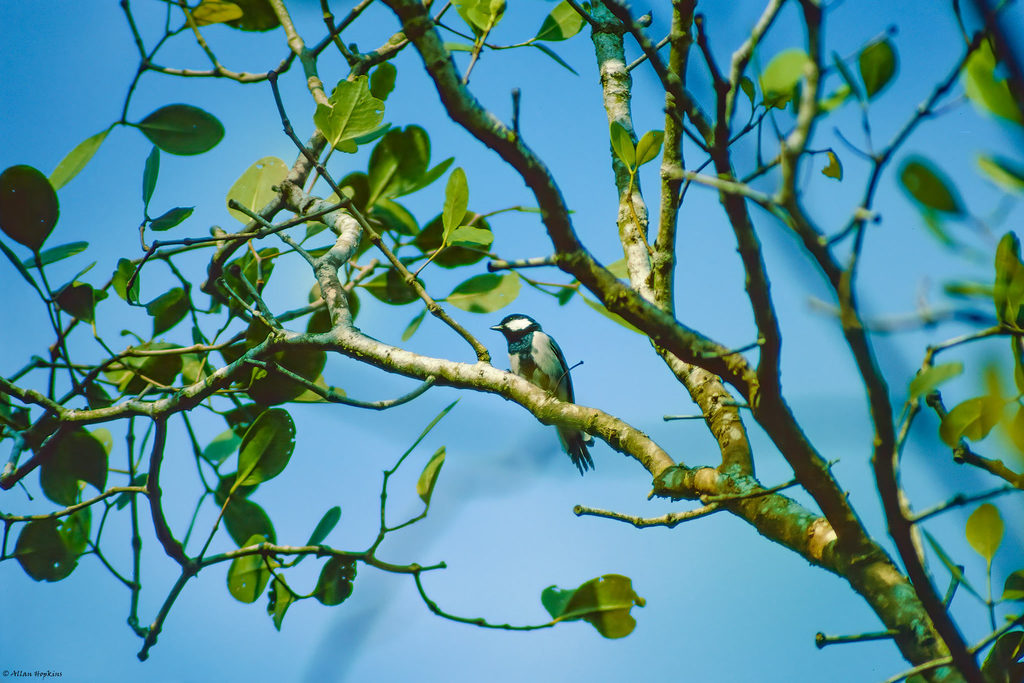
(564, 389)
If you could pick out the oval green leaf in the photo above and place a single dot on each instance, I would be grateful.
(1013, 588)
(1006, 173)
(78, 299)
(266, 447)
(182, 129)
(781, 77)
(604, 602)
(28, 206)
(353, 111)
(973, 419)
(325, 526)
(42, 552)
(929, 187)
(168, 309)
(985, 530)
(248, 575)
(216, 12)
(77, 456)
(254, 188)
(485, 293)
(456, 199)
(622, 144)
(54, 254)
(562, 23)
(649, 146)
(150, 173)
(171, 218)
(335, 582)
(834, 169)
(382, 80)
(1004, 661)
(244, 519)
(877, 64)
(989, 91)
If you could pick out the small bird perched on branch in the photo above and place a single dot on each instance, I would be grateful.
(536, 357)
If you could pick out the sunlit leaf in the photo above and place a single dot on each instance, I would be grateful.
(1008, 290)
(382, 80)
(428, 477)
(1006, 173)
(171, 218)
(622, 144)
(398, 163)
(54, 254)
(254, 188)
(75, 161)
(120, 281)
(987, 88)
(280, 600)
(1013, 588)
(973, 419)
(605, 602)
(216, 12)
(985, 530)
(168, 309)
(257, 15)
(561, 23)
(468, 236)
(413, 325)
(926, 382)
(456, 198)
(28, 206)
(352, 112)
(648, 147)
(182, 129)
(782, 75)
(834, 169)
(222, 446)
(1004, 661)
(432, 233)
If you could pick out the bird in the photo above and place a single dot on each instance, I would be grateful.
(537, 358)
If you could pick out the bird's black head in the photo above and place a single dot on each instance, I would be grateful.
(516, 326)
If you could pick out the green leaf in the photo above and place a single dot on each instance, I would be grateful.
(430, 176)
(973, 419)
(257, 269)
(244, 519)
(221, 447)
(428, 477)
(352, 112)
(562, 23)
(54, 254)
(614, 317)
(382, 80)
(216, 12)
(481, 15)
(432, 233)
(833, 101)
(1008, 290)
(1013, 588)
(605, 602)
(42, 552)
(468, 236)
(120, 281)
(555, 600)
(257, 15)
(248, 575)
(254, 188)
(75, 161)
(149, 176)
(168, 309)
(182, 129)
(171, 218)
(395, 217)
(325, 526)
(266, 447)
(553, 55)
(877, 64)
(985, 530)
(929, 187)
(123, 499)
(390, 287)
(28, 206)
(433, 423)
(398, 164)
(335, 582)
(622, 145)
(281, 598)
(781, 77)
(1003, 663)
(619, 269)
(926, 382)
(74, 530)
(413, 325)
(456, 198)
(985, 89)
(77, 456)
(1006, 173)
(649, 146)
(485, 293)
(834, 168)
(78, 299)
(747, 86)
(955, 571)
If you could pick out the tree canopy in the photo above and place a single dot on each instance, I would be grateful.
(776, 242)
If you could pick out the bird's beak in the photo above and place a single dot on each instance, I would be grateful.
(497, 328)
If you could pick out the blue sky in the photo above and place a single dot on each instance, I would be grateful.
(501, 515)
